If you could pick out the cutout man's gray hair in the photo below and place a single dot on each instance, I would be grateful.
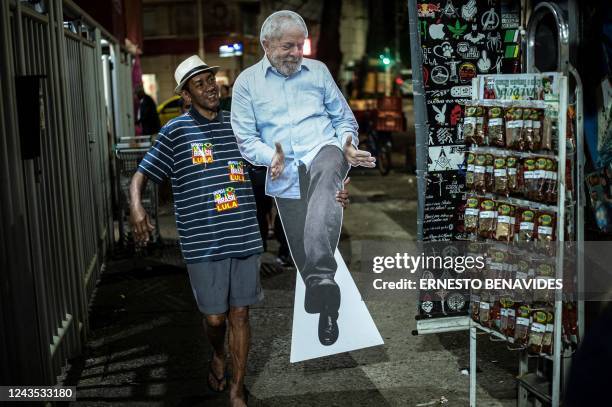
(276, 22)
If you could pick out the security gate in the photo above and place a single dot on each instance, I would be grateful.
(56, 188)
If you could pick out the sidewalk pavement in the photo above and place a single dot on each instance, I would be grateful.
(147, 345)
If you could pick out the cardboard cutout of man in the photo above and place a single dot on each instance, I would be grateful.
(289, 115)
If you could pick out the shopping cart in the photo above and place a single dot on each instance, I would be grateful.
(129, 152)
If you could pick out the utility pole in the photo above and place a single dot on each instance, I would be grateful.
(201, 51)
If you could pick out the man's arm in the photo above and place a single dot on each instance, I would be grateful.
(244, 124)
(139, 218)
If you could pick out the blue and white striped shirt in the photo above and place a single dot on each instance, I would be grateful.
(303, 112)
(213, 198)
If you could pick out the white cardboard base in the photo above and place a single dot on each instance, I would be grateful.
(355, 324)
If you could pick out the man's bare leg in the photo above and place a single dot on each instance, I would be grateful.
(239, 341)
(215, 330)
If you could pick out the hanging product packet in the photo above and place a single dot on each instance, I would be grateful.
(500, 176)
(547, 340)
(549, 129)
(495, 126)
(550, 188)
(514, 126)
(469, 123)
(480, 136)
(526, 224)
(508, 318)
(484, 313)
(513, 184)
(544, 271)
(545, 226)
(537, 331)
(489, 167)
(504, 229)
(487, 218)
(479, 173)
(475, 307)
(536, 118)
(472, 210)
(540, 179)
(526, 142)
(494, 313)
(546, 233)
(469, 174)
(530, 183)
(521, 329)
(525, 273)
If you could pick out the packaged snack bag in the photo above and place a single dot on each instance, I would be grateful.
(545, 226)
(500, 176)
(504, 230)
(550, 188)
(508, 317)
(469, 174)
(479, 173)
(495, 126)
(514, 126)
(547, 340)
(521, 329)
(480, 136)
(487, 218)
(489, 166)
(512, 164)
(530, 182)
(469, 123)
(472, 210)
(540, 180)
(548, 130)
(527, 131)
(536, 118)
(537, 331)
(526, 223)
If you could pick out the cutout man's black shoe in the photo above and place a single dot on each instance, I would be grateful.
(321, 295)
(328, 328)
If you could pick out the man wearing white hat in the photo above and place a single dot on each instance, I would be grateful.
(215, 217)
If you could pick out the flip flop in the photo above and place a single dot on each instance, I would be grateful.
(220, 382)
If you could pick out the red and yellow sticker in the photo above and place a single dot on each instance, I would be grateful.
(201, 153)
(225, 199)
(236, 171)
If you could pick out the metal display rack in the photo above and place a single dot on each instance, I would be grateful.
(129, 152)
(542, 384)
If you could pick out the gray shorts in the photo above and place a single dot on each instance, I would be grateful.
(218, 285)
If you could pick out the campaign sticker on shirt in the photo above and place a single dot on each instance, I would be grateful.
(225, 198)
(236, 171)
(201, 153)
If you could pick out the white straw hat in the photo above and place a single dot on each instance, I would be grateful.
(189, 68)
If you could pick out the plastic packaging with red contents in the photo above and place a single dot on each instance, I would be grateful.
(487, 218)
(469, 173)
(472, 211)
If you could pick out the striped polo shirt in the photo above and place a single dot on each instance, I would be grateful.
(213, 198)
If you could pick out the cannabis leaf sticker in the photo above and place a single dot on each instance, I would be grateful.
(457, 30)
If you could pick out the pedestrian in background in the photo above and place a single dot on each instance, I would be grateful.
(147, 116)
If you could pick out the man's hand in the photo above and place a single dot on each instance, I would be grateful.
(357, 157)
(141, 224)
(278, 162)
(342, 196)
(139, 219)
